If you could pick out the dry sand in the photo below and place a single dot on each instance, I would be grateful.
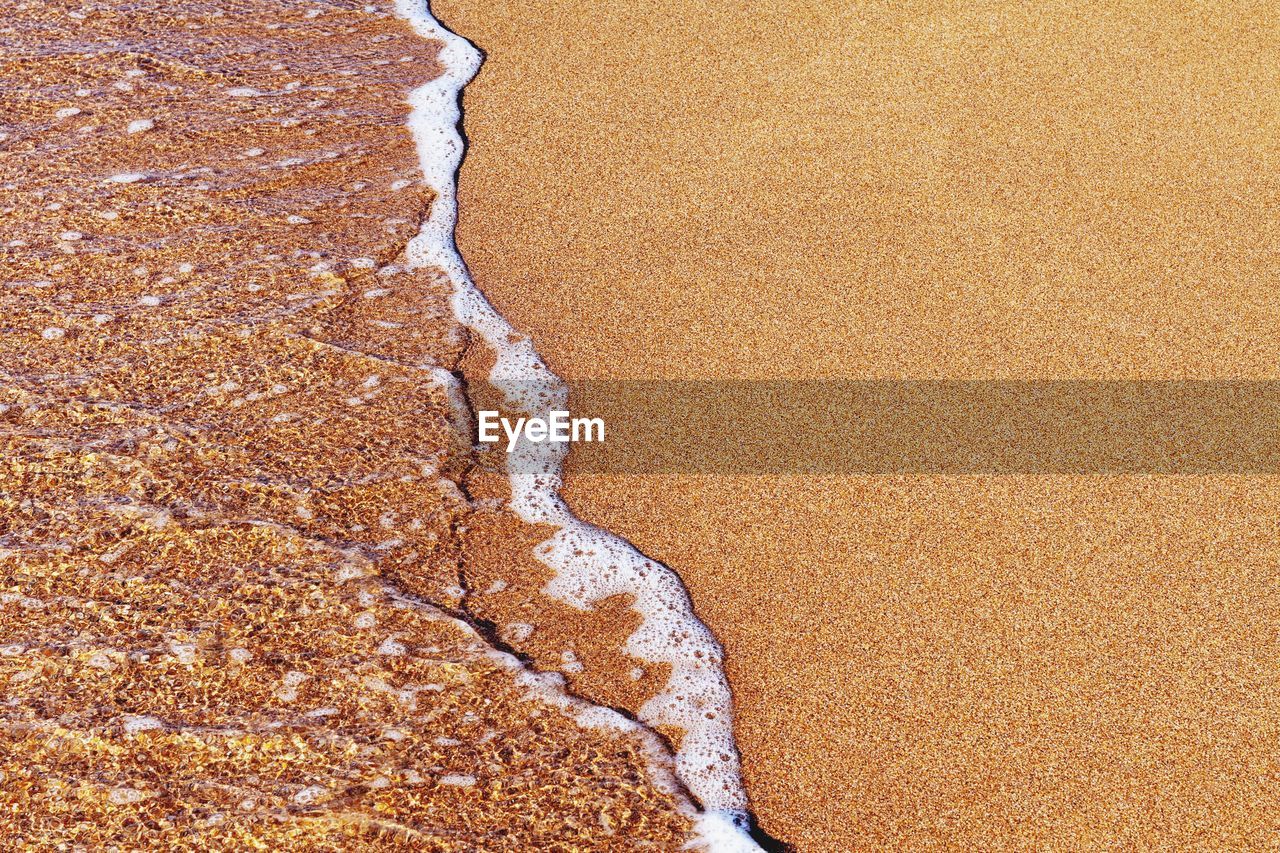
(923, 190)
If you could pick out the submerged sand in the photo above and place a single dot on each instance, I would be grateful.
(1054, 190)
(237, 567)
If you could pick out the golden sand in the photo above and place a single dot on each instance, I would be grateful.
(234, 604)
(923, 190)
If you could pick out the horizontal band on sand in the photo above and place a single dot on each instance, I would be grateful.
(929, 427)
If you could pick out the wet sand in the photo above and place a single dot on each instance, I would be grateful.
(233, 600)
(1073, 190)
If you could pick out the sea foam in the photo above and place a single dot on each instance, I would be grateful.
(590, 564)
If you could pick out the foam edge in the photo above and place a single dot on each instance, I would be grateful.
(590, 564)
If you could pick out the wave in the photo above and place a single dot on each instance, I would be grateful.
(590, 564)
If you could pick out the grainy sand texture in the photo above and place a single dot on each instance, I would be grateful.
(234, 610)
(923, 190)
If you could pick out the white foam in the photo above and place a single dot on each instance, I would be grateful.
(719, 832)
(134, 724)
(590, 564)
(457, 780)
(392, 648)
(310, 794)
(124, 796)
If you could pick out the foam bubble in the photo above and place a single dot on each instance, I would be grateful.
(392, 648)
(310, 794)
(457, 780)
(184, 653)
(135, 723)
(124, 796)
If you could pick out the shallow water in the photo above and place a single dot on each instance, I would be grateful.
(244, 535)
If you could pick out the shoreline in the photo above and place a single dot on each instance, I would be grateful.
(940, 194)
(590, 565)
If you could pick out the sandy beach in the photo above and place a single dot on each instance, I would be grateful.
(1072, 190)
(234, 608)
(262, 585)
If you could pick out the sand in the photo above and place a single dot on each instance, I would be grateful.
(234, 610)
(922, 191)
